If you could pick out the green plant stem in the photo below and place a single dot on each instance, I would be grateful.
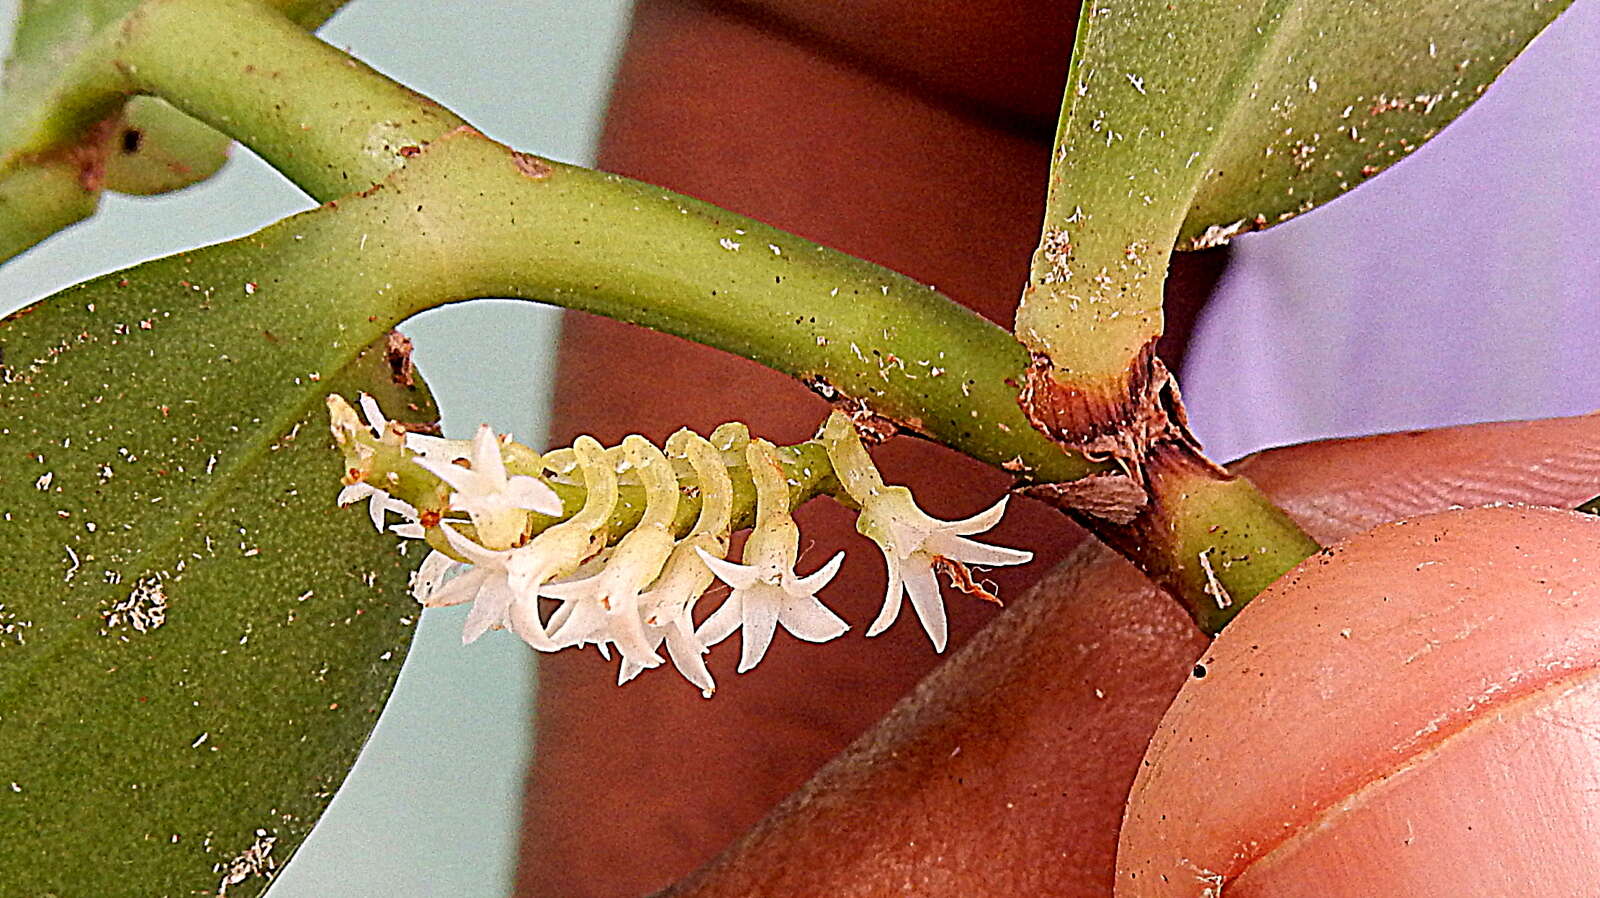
(1143, 115)
(70, 88)
(495, 223)
(1112, 210)
(455, 216)
(326, 121)
(1132, 148)
(1213, 540)
(468, 218)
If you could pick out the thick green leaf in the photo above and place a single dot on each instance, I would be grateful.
(1246, 114)
(1185, 124)
(194, 642)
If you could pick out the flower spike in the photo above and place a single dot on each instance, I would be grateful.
(913, 543)
(500, 520)
(766, 590)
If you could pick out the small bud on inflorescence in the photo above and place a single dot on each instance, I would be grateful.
(611, 537)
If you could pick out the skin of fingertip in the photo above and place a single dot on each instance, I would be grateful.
(1410, 712)
(1006, 770)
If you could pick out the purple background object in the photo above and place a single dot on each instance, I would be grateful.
(1461, 285)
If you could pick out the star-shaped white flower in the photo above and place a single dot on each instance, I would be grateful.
(504, 584)
(496, 582)
(495, 501)
(765, 595)
(912, 541)
(767, 592)
(667, 609)
(603, 609)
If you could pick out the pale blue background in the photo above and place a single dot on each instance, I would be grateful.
(432, 808)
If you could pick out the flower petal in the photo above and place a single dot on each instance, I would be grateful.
(523, 616)
(354, 493)
(891, 598)
(627, 670)
(470, 550)
(760, 622)
(430, 575)
(809, 619)
(375, 418)
(376, 507)
(626, 631)
(462, 589)
(983, 520)
(559, 620)
(738, 576)
(488, 610)
(438, 448)
(688, 656)
(532, 494)
(972, 552)
(811, 583)
(722, 622)
(929, 604)
(487, 462)
(460, 479)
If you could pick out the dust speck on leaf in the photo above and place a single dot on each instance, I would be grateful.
(1213, 586)
(1055, 250)
(532, 166)
(12, 629)
(143, 609)
(256, 860)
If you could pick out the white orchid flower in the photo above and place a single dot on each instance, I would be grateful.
(495, 502)
(504, 584)
(604, 608)
(668, 608)
(486, 583)
(766, 590)
(912, 541)
(349, 432)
